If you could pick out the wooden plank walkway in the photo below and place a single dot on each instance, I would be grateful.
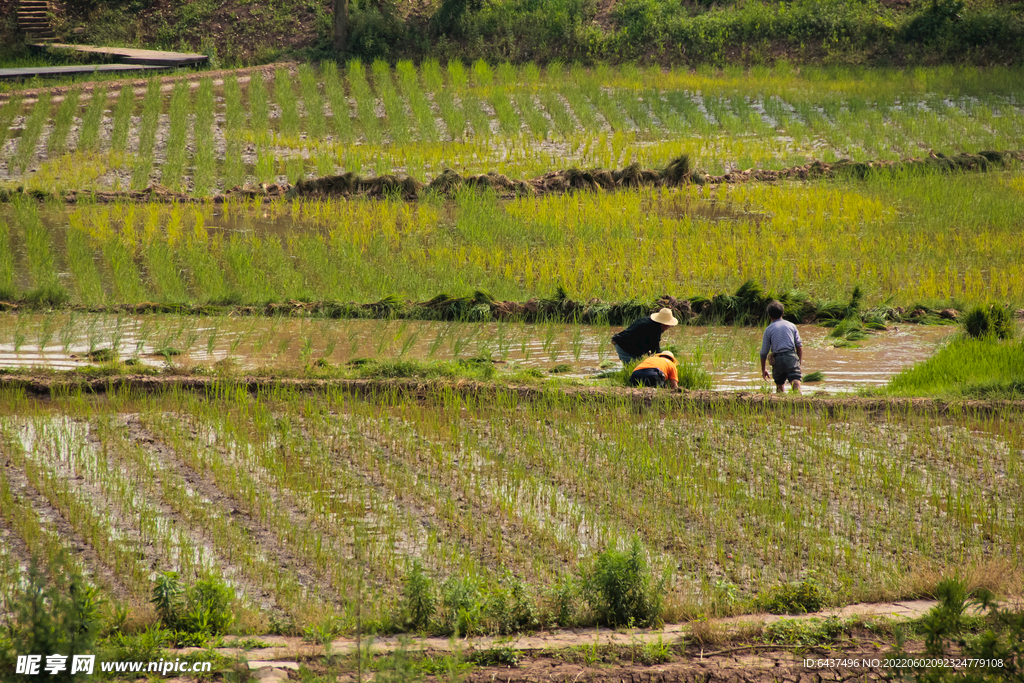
(130, 55)
(23, 73)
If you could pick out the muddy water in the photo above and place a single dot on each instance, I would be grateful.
(65, 340)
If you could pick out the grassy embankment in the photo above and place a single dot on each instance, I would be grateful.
(751, 32)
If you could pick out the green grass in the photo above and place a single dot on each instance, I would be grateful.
(966, 368)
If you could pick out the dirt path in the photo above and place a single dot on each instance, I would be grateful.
(599, 655)
(46, 386)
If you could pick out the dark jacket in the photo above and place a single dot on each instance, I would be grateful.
(640, 338)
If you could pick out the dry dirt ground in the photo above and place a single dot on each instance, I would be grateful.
(602, 655)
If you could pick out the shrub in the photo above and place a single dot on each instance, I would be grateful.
(461, 609)
(419, 602)
(619, 588)
(510, 608)
(1002, 642)
(797, 598)
(193, 614)
(50, 617)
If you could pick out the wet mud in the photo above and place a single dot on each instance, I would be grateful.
(45, 386)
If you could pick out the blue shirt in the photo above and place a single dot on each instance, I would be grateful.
(779, 337)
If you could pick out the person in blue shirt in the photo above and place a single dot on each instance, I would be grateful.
(782, 340)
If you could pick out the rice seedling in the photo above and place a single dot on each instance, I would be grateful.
(334, 91)
(82, 263)
(147, 133)
(313, 103)
(288, 102)
(56, 143)
(34, 124)
(259, 106)
(394, 107)
(122, 119)
(408, 80)
(7, 114)
(366, 109)
(92, 117)
(205, 163)
(174, 167)
(7, 292)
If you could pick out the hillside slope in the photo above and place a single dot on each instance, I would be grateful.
(877, 32)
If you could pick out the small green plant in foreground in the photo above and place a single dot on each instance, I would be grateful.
(50, 618)
(804, 631)
(619, 588)
(796, 598)
(196, 613)
(419, 601)
(999, 650)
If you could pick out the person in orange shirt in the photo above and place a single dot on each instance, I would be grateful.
(656, 371)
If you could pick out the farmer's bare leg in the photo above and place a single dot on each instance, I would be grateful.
(779, 388)
(796, 386)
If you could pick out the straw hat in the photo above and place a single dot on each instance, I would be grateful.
(667, 354)
(665, 317)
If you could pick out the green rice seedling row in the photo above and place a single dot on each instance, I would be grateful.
(726, 494)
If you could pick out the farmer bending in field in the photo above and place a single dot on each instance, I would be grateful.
(656, 371)
(782, 340)
(643, 337)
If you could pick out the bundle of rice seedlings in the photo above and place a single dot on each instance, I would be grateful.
(447, 182)
(850, 330)
(814, 377)
(649, 176)
(603, 177)
(990, 321)
(580, 180)
(678, 171)
(630, 176)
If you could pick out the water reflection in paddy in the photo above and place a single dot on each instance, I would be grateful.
(64, 340)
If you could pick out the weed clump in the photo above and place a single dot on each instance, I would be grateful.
(619, 588)
(195, 613)
(419, 601)
(797, 598)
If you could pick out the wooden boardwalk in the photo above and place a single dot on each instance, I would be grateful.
(24, 73)
(130, 55)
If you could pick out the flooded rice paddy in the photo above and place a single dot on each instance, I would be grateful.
(69, 340)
